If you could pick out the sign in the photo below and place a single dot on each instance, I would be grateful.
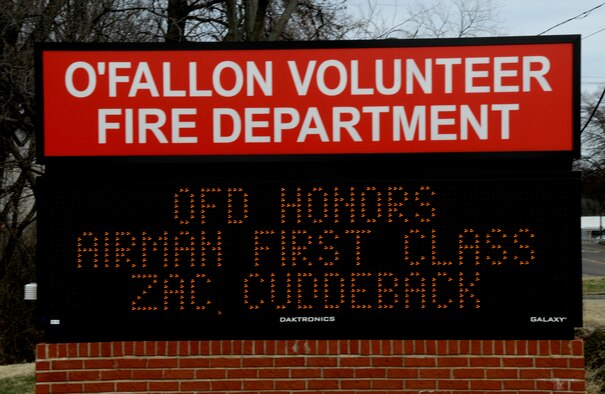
(310, 256)
(290, 190)
(388, 97)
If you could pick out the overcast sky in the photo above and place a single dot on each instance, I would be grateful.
(532, 17)
(529, 17)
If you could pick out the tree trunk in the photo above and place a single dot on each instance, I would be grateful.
(177, 12)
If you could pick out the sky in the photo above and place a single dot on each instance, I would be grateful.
(532, 17)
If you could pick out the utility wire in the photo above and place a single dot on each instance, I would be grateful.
(579, 16)
(592, 34)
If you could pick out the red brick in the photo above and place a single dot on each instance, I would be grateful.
(519, 384)
(432, 347)
(128, 348)
(72, 350)
(420, 384)
(260, 385)
(242, 373)
(195, 385)
(105, 349)
(485, 362)
(568, 374)
(67, 364)
(577, 347)
(85, 375)
(256, 362)
(290, 384)
(354, 361)
(556, 348)
(51, 376)
(365, 347)
(273, 373)
(41, 351)
(551, 362)
(370, 373)
(83, 349)
(42, 388)
(387, 361)
(387, 384)
(452, 361)
(453, 347)
(223, 385)
(578, 386)
(419, 362)
(576, 362)
(99, 387)
(116, 374)
(164, 386)
(99, 363)
(502, 373)
(289, 361)
(469, 373)
(183, 374)
(339, 372)
(321, 361)
(453, 384)
(151, 347)
(435, 373)
(517, 361)
(131, 386)
(117, 349)
(403, 373)
(61, 350)
(356, 384)
(485, 385)
(156, 362)
(194, 362)
(227, 362)
(130, 363)
(67, 388)
(322, 384)
(210, 373)
(515, 366)
(146, 374)
(535, 373)
(306, 372)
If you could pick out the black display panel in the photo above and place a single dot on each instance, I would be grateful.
(197, 255)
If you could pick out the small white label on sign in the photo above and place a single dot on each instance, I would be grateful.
(55, 322)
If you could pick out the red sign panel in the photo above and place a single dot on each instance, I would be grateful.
(389, 98)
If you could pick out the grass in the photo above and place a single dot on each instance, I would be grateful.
(24, 384)
(593, 285)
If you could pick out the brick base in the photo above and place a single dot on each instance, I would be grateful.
(379, 366)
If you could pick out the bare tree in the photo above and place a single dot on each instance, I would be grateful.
(26, 22)
(592, 161)
(430, 19)
(255, 20)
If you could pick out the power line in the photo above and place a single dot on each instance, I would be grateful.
(579, 16)
(592, 34)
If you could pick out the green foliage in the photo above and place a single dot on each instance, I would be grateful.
(18, 385)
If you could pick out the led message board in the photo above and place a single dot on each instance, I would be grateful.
(396, 189)
(312, 256)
